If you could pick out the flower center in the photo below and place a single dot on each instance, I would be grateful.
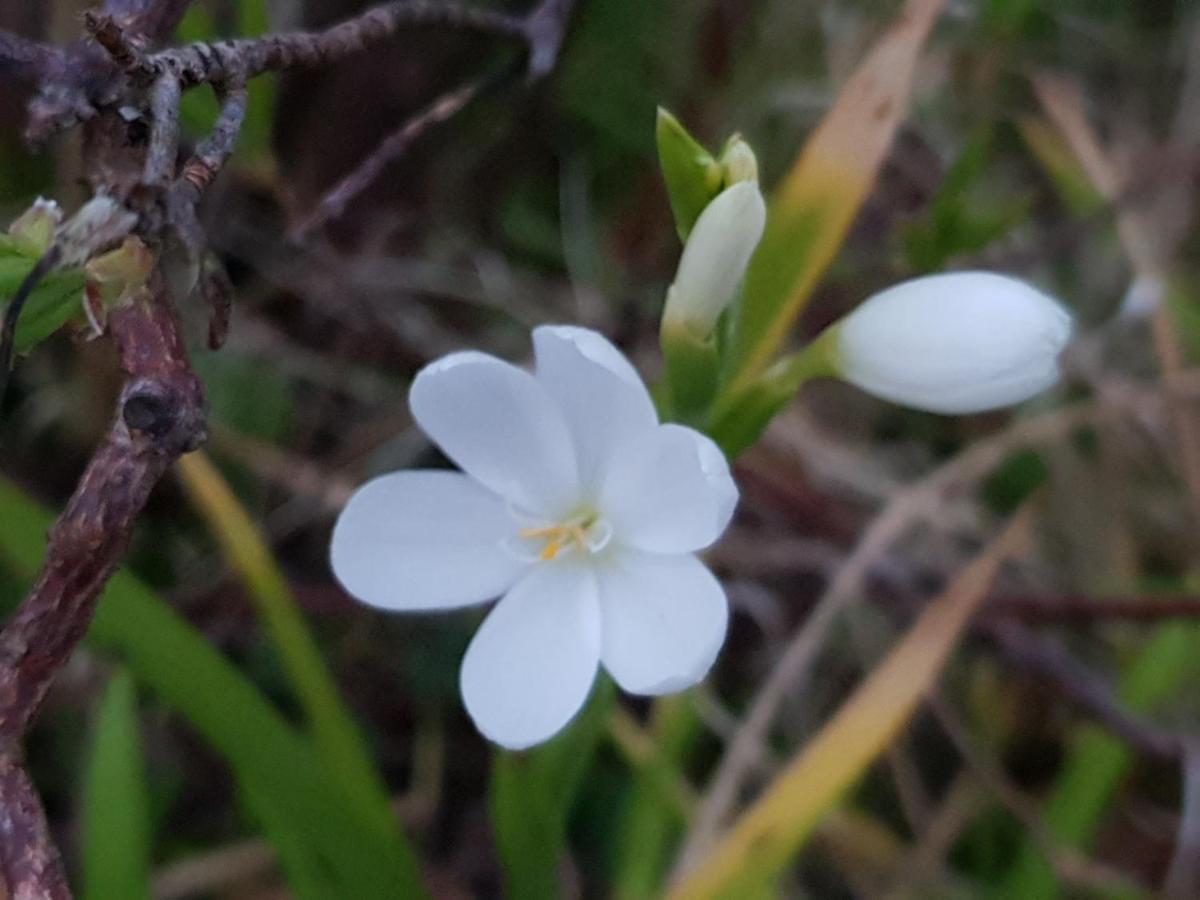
(587, 534)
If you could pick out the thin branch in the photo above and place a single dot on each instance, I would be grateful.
(30, 868)
(1070, 863)
(206, 62)
(160, 414)
(445, 107)
(1083, 609)
(1083, 687)
(127, 54)
(27, 60)
(164, 131)
(912, 504)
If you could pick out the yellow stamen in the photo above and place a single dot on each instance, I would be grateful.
(558, 538)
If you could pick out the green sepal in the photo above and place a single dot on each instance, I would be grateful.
(739, 418)
(692, 176)
(692, 366)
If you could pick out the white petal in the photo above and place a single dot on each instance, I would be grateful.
(669, 491)
(715, 257)
(531, 665)
(599, 392)
(664, 619)
(955, 343)
(424, 540)
(498, 423)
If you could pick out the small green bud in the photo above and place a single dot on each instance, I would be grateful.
(738, 162)
(33, 230)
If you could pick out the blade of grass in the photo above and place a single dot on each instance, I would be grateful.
(531, 798)
(814, 207)
(762, 841)
(1097, 761)
(116, 814)
(269, 758)
(337, 738)
(658, 804)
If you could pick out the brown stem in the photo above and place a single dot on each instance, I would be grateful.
(1084, 688)
(1083, 609)
(160, 414)
(30, 863)
(206, 62)
(25, 59)
(448, 105)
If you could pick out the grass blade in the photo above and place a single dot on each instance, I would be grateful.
(531, 798)
(269, 758)
(116, 815)
(763, 840)
(337, 737)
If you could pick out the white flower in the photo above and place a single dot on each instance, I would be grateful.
(576, 506)
(955, 343)
(715, 258)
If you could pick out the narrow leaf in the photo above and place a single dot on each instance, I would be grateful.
(531, 798)
(337, 738)
(813, 208)
(763, 840)
(691, 174)
(116, 826)
(268, 757)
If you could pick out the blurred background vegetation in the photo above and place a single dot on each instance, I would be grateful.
(545, 205)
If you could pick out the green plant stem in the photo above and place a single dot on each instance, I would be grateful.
(740, 415)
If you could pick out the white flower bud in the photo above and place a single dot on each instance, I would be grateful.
(961, 342)
(738, 162)
(715, 258)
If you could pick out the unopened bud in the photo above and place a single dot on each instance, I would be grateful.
(33, 230)
(738, 162)
(961, 342)
(715, 259)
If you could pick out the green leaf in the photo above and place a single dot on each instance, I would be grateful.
(739, 417)
(764, 839)
(651, 822)
(116, 826)
(1098, 760)
(531, 798)
(274, 763)
(55, 301)
(691, 174)
(337, 738)
(813, 208)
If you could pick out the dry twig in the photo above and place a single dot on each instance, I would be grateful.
(117, 85)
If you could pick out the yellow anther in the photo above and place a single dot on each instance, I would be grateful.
(558, 538)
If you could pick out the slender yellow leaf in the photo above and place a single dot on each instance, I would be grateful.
(815, 205)
(337, 738)
(761, 841)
